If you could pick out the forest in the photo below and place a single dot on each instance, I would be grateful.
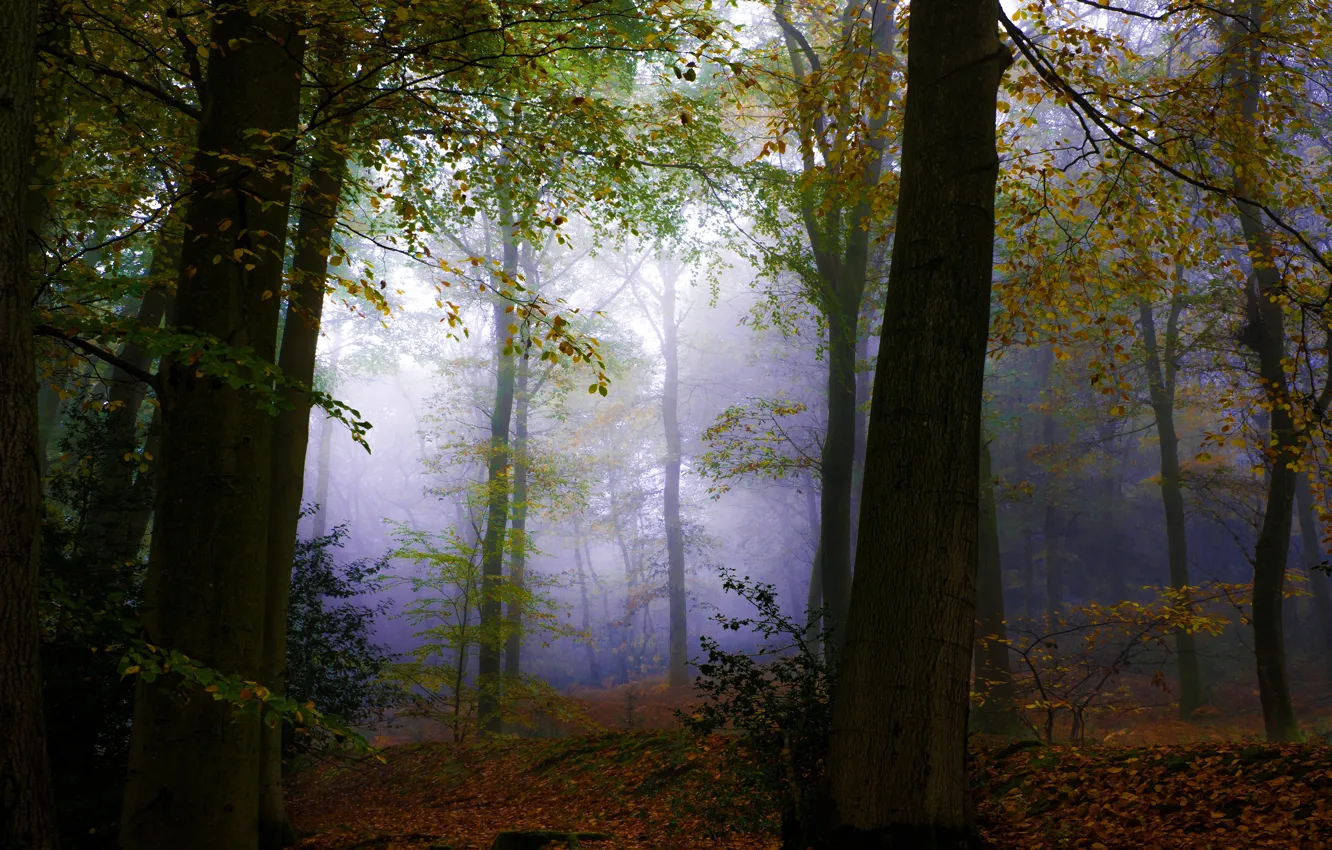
(460, 424)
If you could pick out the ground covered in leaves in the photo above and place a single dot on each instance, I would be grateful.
(665, 790)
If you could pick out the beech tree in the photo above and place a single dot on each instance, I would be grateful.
(896, 760)
(27, 811)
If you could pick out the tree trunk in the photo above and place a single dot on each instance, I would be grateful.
(194, 765)
(997, 713)
(678, 674)
(1318, 580)
(320, 200)
(1051, 524)
(1161, 388)
(896, 772)
(518, 527)
(497, 510)
(1265, 315)
(589, 645)
(324, 466)
(27, 811)
(110, 534)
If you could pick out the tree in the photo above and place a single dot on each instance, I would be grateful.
(1162, 367)
(27, 814)
(996, 713)
(896, 759)
(194, 771)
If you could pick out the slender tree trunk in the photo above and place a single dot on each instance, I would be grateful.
(194, 766)
(1051, 525)
(1318, 580)
(324, 465)
(814, 598)
(589, 645)
(896, 769)
(1265, 315)
(863, 379)
(27, 810)
(836, 465)
(109, 533)
(518, 527)
(678, 671)
(1161, 388)
(497, 510)
(320, 199)
(997, 713)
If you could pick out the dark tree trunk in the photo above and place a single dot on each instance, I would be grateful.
(194, 766)
(489, 654)
(319, 201)
(896, 774)
(678, 670)
(27, 812)
(1312, 547)
(111, 535)
(997, 713)
(1161, 388)
(1265, 315)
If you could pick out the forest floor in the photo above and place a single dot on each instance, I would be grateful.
(653, 787)
(666, 790)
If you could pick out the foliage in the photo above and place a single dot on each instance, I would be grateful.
(778, 697)
(761, 438)
(1078, 665)
(331, 659)
(439, 674)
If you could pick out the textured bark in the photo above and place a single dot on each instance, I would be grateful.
(896, 774)
(27, 814)
(194, 766)
(997, 713)
(1161, 389)
(497, 512)
(320, 198)
(1267, 338)
(678, 670)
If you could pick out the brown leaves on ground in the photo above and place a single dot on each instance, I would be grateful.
(665, 790)
(646, 790)
(1195, 797)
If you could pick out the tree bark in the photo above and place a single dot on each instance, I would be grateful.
(1161, 390)
(678, 670)
(27, 811)
(320, 199)
(194, 766)
(896, 774)
(1265, 315)
(997, 713)
(489, 654)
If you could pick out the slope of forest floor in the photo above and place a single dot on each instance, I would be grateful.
(666, 790)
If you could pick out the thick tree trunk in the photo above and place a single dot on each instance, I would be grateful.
(678, 671)
(1161, 389)
(518, 526)
(896, 769)
(320, 200)
(194, 766)
(27, 812)
(836, 465)
(1265, 315)
(489, 653)
(997, 713)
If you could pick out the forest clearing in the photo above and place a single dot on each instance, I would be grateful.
(659, 789)
(790, 424)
